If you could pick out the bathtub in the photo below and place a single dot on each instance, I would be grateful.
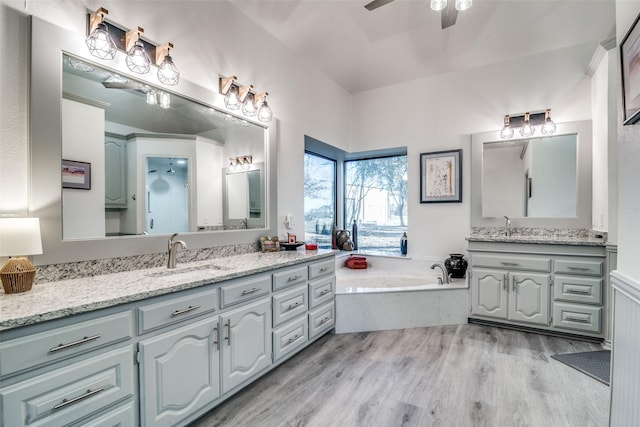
(396, 293)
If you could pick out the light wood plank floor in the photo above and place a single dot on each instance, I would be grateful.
(461, 375)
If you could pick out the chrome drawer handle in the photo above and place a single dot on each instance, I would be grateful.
(228, 337)
(510, 264)
(325, 320)
(576, 319)
(326, 291)
(577, 292)
(291, 279)
(294, 305)
(186, 310)
(251, 291)
(73, 344)
(323, 269)
(292, 339)
(579, 268)
(67, 402)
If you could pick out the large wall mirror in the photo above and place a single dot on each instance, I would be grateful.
(537, 182)
(159, 158)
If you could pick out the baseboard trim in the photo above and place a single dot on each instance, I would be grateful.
(534, 330)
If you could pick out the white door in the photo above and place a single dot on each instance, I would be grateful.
(489, 293)
(529, 297)
(167, 195)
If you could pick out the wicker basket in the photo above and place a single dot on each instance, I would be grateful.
(17, 275)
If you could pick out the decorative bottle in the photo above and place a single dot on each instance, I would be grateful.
(334, 232)
(456, 265)
(354, 235)
(403, 244)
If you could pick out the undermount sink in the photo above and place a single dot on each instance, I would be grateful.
(188, 272)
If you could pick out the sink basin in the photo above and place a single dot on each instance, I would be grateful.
(201, 271)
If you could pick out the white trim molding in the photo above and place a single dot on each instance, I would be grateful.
(626, 285)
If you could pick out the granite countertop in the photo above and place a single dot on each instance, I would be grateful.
(545, 236)
(53, 300)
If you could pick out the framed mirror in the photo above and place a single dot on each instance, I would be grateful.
(537, 182)
(145, 157)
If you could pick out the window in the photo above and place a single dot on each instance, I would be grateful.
(376, 198)
(319, 198)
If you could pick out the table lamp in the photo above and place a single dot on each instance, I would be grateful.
(19, 237)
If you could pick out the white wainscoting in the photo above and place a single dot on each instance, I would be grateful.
(625, 364)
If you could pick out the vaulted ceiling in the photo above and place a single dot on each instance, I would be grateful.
(403, 40)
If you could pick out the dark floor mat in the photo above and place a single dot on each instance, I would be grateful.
(596, 364)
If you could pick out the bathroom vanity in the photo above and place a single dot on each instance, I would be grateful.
(550, 283)
(157, 346)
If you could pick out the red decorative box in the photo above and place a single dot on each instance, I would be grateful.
(311, 246)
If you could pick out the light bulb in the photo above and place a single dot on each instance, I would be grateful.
(548, 127)
(507, 130)
(232, 100)
(168, 73)
(100, 43)
(527, 129)
(137, 59)
(248, 108)
(264, 112)
(463, 4)
(438, 4)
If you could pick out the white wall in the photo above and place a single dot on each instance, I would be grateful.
(441, 112)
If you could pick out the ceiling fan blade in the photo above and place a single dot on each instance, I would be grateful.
(376, 4)
(448, 15)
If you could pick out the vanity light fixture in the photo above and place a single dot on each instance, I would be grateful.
(99, 41)
(463, 4)
(229, 88)
(438, 5)
(527, 128)
(549, 127)
(137, 59)
(19, 236)
(264, 111)
(168, 73)
(247, 99)
(507, 130)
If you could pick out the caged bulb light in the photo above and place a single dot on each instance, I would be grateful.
(527, 128)
(232, 100)
(99, 41)
(549, 126)
(137, 58)
(463, 4)
(438, 4)
(168, 73)
(507, 130)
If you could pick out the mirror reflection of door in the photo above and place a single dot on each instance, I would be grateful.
(167, 195)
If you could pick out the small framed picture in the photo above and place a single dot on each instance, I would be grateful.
(630, 66)
(76, 175)
(441, 177)
(270, 244)
(292, 238)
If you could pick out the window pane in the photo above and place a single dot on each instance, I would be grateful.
(319, 199)
(376, 197)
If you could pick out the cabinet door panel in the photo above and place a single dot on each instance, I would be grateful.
(246, 347)
(529, 297)
(179, 372)
(489, 293)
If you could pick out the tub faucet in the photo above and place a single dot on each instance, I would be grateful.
(173, 244)
(507, 226)
(445, 275)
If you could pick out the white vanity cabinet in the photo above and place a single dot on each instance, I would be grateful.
(544, 286)
(115, 159)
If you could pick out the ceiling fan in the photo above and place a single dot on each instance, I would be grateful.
(448, 14)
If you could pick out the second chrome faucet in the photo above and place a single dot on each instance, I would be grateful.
(172, 246)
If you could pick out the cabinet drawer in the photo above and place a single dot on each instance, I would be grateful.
(578, 289)
(153, 316)
(289, 304)
(245, 290)
(61, 343)
(587, 267)
(123, 416)
(290, 337)
(321, 291)
(289, 277)
(512, 262)
(321, 320)
(322, 268)
(578, 317)
(68, 394)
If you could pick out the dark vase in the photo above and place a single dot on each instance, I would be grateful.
(456, 265)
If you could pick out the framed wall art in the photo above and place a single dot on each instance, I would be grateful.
(441, 177)
(76, 175)
(630, 65)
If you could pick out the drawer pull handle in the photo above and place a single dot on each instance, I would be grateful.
(294, 305)
(324, 292)
(217, 337)
(576, 319)
(579, 269)
(292, 278)
(577, 292)
(325, 320)
(510, 264)
(67, 402)
(323, 269)
(251, 291)
(186, 310)
(73, 344)
(292, 339)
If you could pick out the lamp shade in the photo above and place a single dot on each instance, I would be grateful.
(20, 236)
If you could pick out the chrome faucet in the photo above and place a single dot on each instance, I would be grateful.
(173, 244)
(508, 226)
(445, 275)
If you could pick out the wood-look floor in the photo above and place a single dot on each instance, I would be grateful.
(461, 375)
